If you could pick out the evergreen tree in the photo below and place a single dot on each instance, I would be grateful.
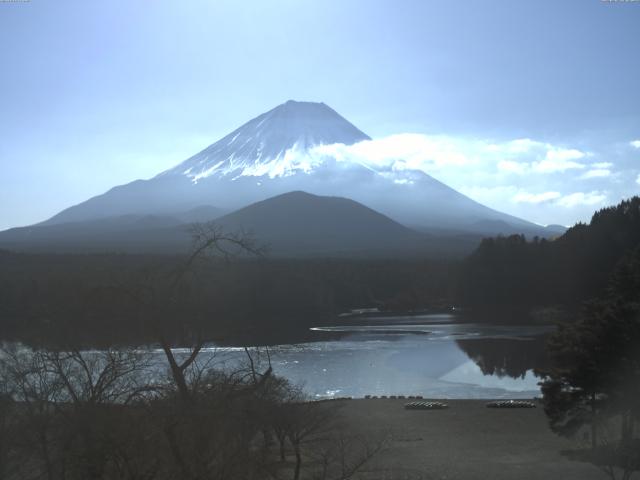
(596, 372)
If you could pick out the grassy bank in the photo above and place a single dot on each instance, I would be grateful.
(467, 441)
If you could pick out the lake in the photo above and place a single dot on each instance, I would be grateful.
(435, 356)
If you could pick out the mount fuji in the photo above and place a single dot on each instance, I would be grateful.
(283, 150)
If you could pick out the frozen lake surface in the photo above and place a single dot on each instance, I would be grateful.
(433, 356)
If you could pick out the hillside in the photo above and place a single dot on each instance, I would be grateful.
(287, 149)
(510, 272)
(299, 223)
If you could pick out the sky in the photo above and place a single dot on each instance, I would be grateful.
(530, 107)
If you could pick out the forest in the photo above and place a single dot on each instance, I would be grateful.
(67, 411)
(513, 273)
(114, 298)
(110, 298)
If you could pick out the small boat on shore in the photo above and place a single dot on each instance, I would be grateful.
(425, 406)
(511, 404)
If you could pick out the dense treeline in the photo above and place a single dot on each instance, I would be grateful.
(591, 383)
(593, 386)
(114, 298)
(513, 273)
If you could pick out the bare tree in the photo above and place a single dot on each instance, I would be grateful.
(72, 408)
(7, 412)
(307, 421)
(106, 415)
(342, 456)
(209, 241)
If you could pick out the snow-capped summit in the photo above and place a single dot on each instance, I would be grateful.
(292, 148)
(274, 144)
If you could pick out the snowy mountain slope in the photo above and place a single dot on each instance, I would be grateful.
(281, 151)
(273, 144)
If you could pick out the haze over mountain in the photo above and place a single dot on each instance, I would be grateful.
(280, 151)
(294, 224)
(300, 223)
(287, 149)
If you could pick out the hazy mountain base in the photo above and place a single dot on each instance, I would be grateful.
(291, 148)
(292, 225)
(93, 296)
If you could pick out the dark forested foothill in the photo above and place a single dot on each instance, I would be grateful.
(594, 382)
(514, 273)
(591, 384)
(113, 298)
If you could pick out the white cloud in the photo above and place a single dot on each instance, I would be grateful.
(526, 197)
(526, 156)
(559, 160)
(403, 151)
(601, 165)
(520, 145)
(403, 181)
(510, 166)
(553, 166)
(638, 179)
(436, 154)
(635, 143)
(523, 177)
(581, 198)
(564, 154)
(596, 173)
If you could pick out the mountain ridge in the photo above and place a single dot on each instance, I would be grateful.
(292, 224)
(275, 153)
(302, 223)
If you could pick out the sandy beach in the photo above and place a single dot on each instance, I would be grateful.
(467, 441)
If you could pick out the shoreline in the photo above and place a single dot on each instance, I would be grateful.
(466, 441)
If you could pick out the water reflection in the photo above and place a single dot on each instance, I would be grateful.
(433, 356)
(429, 358)
(506, 357)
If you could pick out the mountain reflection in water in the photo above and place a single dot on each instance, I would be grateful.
(432, 355)
(506, 357)
(429, 358)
